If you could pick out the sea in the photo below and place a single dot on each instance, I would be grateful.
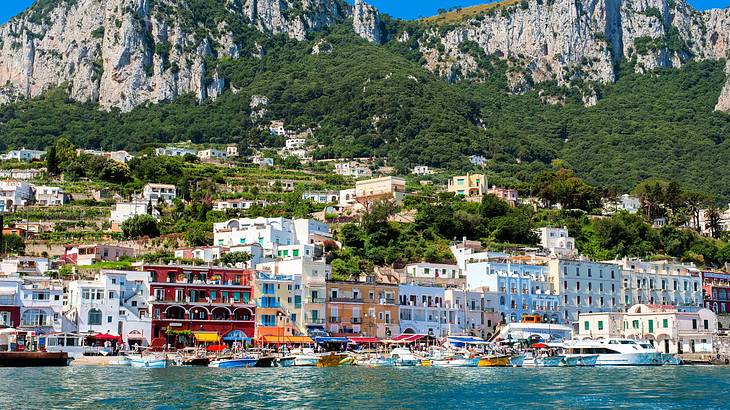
(89, 387)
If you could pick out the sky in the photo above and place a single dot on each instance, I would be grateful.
(408, 9)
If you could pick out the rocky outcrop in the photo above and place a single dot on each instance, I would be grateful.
(366, 22)
(123, 53)
(582, 41)
(723, 104)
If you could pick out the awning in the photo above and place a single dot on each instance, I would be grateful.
(217, 348)
(278, 340)
(236, 336)
(364, 340)
(460, 341)
(407, 338)
(107, 337)
(206, 337)
(331, 340)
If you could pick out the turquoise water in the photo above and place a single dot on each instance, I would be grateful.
(194, 388)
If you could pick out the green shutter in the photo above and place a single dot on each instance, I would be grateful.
(651, 326)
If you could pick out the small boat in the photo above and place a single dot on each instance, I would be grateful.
(517, 360)
(306, 357)
(266, 361)
(335, 360)
(494, 361)
(381, 362)
(149, 362)
(455, 362)
(549, 361)
(287, 361)
(404, 357)
(121, 361)
(230, 363)
(196, 361)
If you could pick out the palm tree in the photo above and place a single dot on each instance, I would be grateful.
(712, 218)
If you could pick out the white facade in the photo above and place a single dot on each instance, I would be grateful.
(115, 302)
(468, 312)
(348, 197)
(231, 151)
(23, 155)
(49, 196)
(264, 162)
(660, 282)
(211, 154)
(127, 210)
(24, 265)
(422, 170)
(24, 174)
(174, 152)
(352, 169)
(159, 192)
(331, 197)
(724, 222)
(203, 253)
(15, 194)
(295, 143)
(270, 233)
(557, 241)
(585, 286)
(422, 310)
(277, 128)
(478, 160)
(41, 305)
(668, 329)
(433, 270)
(241, 204)
(520, 289)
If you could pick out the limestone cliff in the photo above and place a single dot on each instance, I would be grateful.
(366, 22)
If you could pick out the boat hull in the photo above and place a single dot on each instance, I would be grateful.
(285, 361)
(149, 363)
(233, 363)
(517, 361)
(306, 360)
(266, 361)
(494, 361)
(633, 359)
(554, 361)
(34, 359)
(455, 363)
(335, 360)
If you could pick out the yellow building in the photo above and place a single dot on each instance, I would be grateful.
(468, 185)
(362, 309)
(380, 189)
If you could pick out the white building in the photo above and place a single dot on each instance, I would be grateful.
(329, 197)
(159, 192)
(203, 253)
(625, 202)
(468, 312)
(238, 204)
(295, 143)
(422, 170)
(23, 155)
(211, 153)
(270, 233)
(277, 128)
(520, 289)
(660, 282)
(127, 210)
(670, 330)
(353, 169)
(174, 152)
(348, 198)
(15, 194)
(41, 305)
(25, 266)
(422, 310)
(478, 160)
(231, 151)
(724, 222)
(263, 162)
(49, 196)
(585, 286)
(115, 302)
(557, 241)
(23, 174)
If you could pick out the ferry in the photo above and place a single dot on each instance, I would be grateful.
(616, 352)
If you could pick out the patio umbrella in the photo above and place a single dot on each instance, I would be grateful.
(217, 348)
(539, 346)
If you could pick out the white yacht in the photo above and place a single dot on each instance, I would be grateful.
(616, 352)
(305, 357)
(403, 357)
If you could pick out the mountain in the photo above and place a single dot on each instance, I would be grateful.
(428, 92)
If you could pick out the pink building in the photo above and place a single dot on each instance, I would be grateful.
(509, 195)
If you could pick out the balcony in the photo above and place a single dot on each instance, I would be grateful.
(315, 300)
(356, 320)
(334, 319)
(346, 300)
(317, 321)
(387, 301)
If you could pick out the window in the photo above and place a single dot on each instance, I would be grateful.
(111, 295)
(5, 318)
(707, 324)
(635, 324)
(108, 319)
(586, 325)
(577, 286)
(665, 323)
(94, 318)
(694, 324)
(600, 325)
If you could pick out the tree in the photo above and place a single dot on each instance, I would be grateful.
(198, 234)
(141, 226)
(52, 165)
(713, 217)
(234, 258)
(13, 243)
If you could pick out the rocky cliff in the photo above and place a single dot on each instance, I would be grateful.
(123, 53)
(576, 41)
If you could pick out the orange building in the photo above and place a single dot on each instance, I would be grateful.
(362, 308)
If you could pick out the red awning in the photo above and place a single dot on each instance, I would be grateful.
(363, 340)
(406, 338)
(107, 337)
(539, 346)
(217, 348)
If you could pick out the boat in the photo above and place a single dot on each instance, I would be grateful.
(381, 362)
(494, 361)
(579, 360)
(149, 362)
(616, 352)
(455, 361)
(34, 359)
(121, 361)
(547, 361)
(517, 360)
(230, 363)
(305, 357)
(266, 361)
(287, 361)
(404, 358)
(335, 360)
(196, 361)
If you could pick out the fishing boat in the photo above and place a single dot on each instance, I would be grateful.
(335, 360)
(517, 360)
(287, 361)
(404, 358)
(149, 362)
(305, 357)
(231, 362)
(494, 361)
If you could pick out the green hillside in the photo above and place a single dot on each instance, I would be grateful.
(365, 99)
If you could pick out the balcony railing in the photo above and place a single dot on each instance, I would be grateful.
(334, 319)
(356, 320)
(317, 321)
(315, 300)
(346, 300)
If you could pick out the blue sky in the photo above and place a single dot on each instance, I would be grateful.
(398, 8)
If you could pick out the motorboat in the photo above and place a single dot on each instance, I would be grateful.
(266, 361)
(455, 361)
(234, 362)
(286, 361)
(335, 360)
(580, 360)
(542, 361)
(151, 362)
(404, 358)
(616, 352)
(121, 361)
(494, 361)
(517, 360)
(305, 357)
(381, 362)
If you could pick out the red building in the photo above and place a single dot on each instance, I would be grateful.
(716, 286)
(201, 299)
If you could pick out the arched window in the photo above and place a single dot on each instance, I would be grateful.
(34, 318)
(94, 317)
